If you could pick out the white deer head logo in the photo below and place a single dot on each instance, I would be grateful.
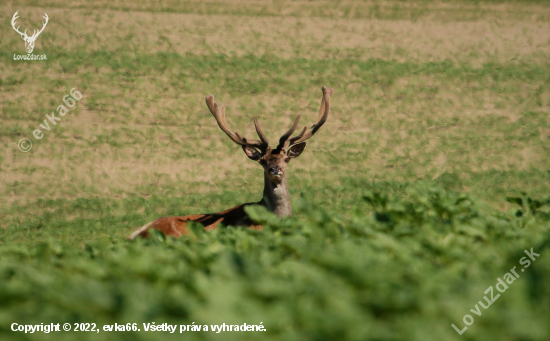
(29, 41)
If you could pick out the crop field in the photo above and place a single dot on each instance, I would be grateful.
(421, 209)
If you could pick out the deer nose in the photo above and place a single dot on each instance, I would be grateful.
(275, 170)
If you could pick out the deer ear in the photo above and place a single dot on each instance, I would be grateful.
(296, 150)
(252, 153)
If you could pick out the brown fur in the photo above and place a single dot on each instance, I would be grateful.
(177, 226)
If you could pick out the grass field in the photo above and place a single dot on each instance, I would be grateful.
(427, 183)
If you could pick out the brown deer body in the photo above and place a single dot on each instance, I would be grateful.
(276, 197)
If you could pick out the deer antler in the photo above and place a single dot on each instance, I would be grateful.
(305, 134)
(219, 115)
(288, 134)
(24, 34)
(34, 35)
(15, 17)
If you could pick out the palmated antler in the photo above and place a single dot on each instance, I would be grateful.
(286, 141)
(219, 115)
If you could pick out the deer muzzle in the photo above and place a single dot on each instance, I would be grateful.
(275, 170)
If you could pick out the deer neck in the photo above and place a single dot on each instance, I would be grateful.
(277, 198)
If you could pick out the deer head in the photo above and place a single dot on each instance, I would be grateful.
(29, 41)
(274, 161)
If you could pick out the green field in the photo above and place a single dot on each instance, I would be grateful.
(426, 185)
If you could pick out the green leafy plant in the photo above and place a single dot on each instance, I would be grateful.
(529, 206)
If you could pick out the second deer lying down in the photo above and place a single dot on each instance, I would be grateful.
(274, 161)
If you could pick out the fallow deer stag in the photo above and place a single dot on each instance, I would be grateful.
(274, 161)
